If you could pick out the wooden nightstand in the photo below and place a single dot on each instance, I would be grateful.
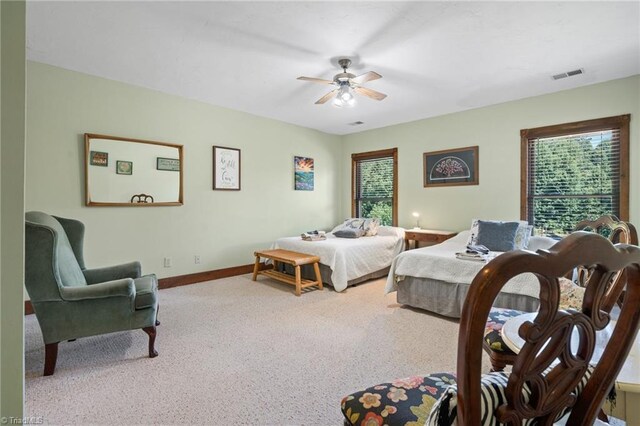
(429, 236)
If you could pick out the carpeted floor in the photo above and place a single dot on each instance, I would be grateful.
(236, 352)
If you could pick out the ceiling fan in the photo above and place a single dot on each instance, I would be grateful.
(347, 84)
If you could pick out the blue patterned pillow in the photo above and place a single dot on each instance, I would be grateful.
(497, 236)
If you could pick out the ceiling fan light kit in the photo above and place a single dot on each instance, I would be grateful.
(344, 98)
(348, 84)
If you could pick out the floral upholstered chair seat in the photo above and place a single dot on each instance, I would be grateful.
(571, 296)
(403, 401)
(430, 400)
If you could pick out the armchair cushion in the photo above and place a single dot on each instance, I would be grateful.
(403, 401)
(146, 291)
(110, 273)
(123, 288)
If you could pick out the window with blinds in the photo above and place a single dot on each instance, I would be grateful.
(575, 171)
(374, 189)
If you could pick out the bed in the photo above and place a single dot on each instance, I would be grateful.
(433, 279)
(349, 261)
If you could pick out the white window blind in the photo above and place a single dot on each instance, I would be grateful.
(374, 186)
(572, 178)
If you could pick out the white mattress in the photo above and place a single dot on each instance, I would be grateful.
(350, 258)
(439, 262)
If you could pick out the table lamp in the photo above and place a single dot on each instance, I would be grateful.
(417, 216)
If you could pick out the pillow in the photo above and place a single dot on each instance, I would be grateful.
(523, 234)
(371, 227)
(497, 236)
(571, 295)
(493, 388)
(349, 233)
(521, 239)
(368, 226)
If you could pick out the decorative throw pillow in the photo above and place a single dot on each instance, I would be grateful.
(497, 236)
(493, 388)
(349, 233)
(523, 234)
(571, 295)
(369, 227)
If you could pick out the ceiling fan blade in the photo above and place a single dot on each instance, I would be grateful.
(367, 76)
(326, 97)
(315, 80)
(370, 93)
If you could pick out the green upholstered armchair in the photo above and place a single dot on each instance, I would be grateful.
(71, 301)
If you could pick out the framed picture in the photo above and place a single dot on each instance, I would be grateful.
(303, 172)
(451, 167)
(97, 158)
(124, 167)
(170, 164)
(226, 168)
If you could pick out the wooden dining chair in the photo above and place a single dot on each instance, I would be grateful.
(551, 379)
(608, 226)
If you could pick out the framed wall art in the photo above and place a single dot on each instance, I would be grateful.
(97, 158)
(226, 168)
(451, 167)
(303, 173)
(169, 164)
(124, 167)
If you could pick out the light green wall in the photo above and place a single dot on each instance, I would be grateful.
(12, 150)
(222, 227)
(496, 129)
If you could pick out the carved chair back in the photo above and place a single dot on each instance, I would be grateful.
(546, 365)
(616, 231)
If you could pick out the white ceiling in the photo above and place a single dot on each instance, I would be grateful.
(435, 57)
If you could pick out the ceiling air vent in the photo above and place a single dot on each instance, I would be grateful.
(568, 74)
(356, 123)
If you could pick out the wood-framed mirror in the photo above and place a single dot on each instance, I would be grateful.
(132, 172)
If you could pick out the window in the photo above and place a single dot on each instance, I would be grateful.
(574, 171)
(374, 189)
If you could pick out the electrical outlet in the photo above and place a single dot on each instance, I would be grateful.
(196, 259)
(167, 262)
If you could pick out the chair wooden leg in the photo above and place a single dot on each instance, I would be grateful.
(50, 358)
(157, 311)
(497, 366)
(151, 331)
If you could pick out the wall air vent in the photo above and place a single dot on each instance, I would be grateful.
(568, 74)
(356, 123)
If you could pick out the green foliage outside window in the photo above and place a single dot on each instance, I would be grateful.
(376, 190)
(572, 181)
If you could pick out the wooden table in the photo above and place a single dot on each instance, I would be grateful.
(430, 236)
(292, 258)
(627, 383)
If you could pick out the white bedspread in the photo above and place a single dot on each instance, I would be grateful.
(439, 262)
(350, 258)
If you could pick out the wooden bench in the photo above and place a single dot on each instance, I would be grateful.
(292, 258)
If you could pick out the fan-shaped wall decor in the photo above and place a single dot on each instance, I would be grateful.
(451, 167)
